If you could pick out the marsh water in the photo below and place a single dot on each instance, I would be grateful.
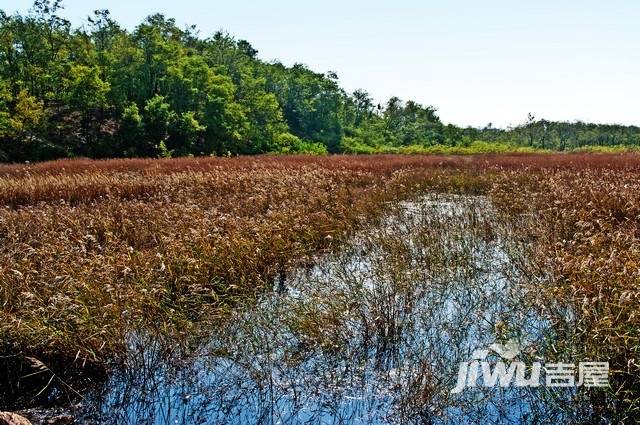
(370, 334)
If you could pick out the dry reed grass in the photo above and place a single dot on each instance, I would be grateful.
(92, 249)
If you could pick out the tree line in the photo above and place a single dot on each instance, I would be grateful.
(101, 91)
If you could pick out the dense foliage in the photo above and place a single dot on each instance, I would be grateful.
(102, 91)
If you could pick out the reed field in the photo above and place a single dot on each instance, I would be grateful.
(93, 251)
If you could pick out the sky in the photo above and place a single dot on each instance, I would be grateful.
(477, 62)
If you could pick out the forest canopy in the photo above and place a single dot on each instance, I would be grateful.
(101, 91)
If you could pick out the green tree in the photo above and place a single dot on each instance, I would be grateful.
(158, 118)
(184, 133)
(84, 89)
(131, 132)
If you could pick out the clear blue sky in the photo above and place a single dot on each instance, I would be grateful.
(476, 61)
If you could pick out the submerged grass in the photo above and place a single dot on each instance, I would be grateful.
(90, 250)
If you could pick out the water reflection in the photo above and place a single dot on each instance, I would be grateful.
(371, 334)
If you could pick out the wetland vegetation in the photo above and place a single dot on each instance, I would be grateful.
(306, 289)
(192, 234)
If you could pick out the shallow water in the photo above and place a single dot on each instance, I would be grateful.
(372, 334)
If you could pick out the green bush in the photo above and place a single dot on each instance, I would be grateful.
(606, 149)
(288, 143)
(352, 145)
